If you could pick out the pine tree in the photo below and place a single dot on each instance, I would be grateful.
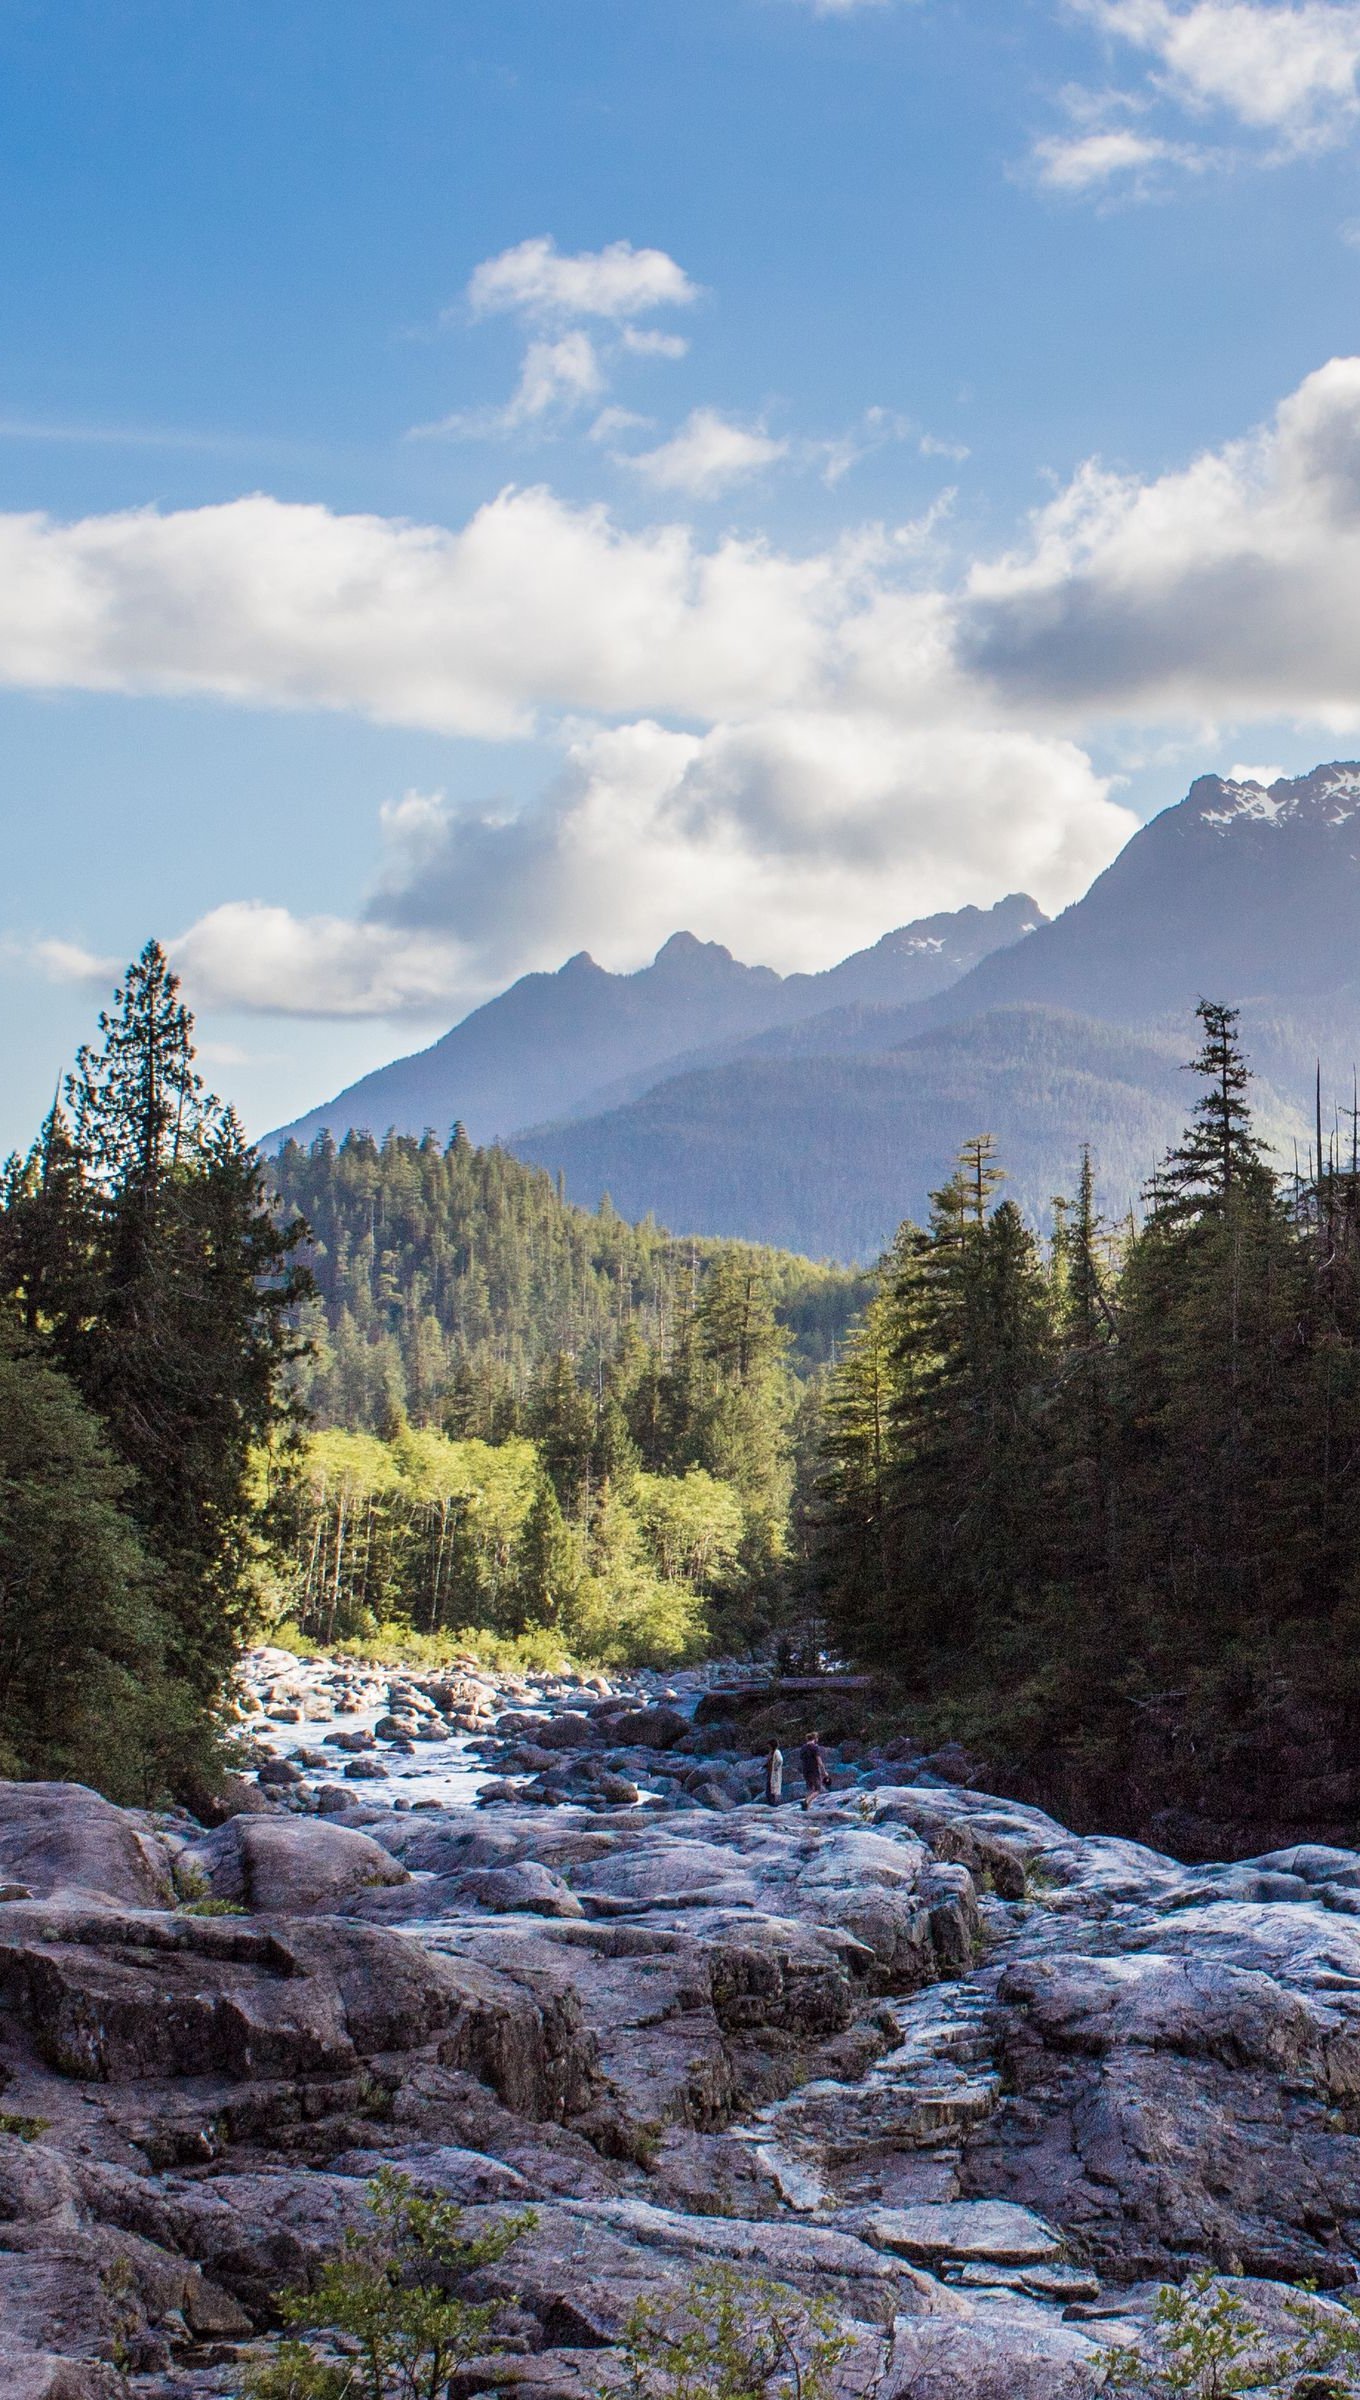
(82, 1691)
(547, 1568)
(145, 1244)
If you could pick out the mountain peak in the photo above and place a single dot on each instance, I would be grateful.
(1328, 795)
(685, 950)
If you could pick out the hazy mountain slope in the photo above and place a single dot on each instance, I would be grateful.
(1240, 893)
(829, 1153)
(549, 1044)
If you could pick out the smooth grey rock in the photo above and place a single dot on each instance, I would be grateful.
(525, 1887)
(966, 2230)
(63, 1837)
(292, 1865)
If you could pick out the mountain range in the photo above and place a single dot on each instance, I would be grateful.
(817, 1110)
(559, 1045)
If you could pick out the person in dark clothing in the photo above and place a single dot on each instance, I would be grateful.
(813, 1763)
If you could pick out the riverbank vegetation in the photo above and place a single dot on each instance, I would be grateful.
(538, 1421)
(149, 1295)
(1072, 1498)
(1100, 1498)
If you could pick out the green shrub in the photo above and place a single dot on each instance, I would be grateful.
(731, 2337)
(388, 2291)
(295, 2373)
(24, 2129)
(1208, 2344)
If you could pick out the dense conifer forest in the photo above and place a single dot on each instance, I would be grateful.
(1082, 1500)
(1087, 1499)
(447, 1275)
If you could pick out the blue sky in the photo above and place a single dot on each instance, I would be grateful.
(481, 482)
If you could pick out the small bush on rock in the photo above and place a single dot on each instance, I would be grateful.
(1208, 2345)
(389, 2292)
(295, 2373)
(729, 2337)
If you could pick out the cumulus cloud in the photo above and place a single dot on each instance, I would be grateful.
(249, 954)
(1287, 69)
(814, 744)
(1283, 69)
(564, 368)
(532, 605)
(708, 455)
(1226, 588)
(818, 830)
(536, 279)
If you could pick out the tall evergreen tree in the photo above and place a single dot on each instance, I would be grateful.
(82, 1687)
(144, 1245)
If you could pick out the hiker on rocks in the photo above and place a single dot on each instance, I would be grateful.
(774, 1775)
(812, 1760)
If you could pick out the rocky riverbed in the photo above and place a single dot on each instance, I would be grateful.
(978, 2081)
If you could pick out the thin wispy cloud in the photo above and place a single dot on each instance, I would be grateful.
(1226, 82)
(20, 428)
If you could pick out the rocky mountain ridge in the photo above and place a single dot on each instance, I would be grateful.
(551, 1043)
(818, 1112)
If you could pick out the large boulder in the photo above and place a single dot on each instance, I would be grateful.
(657, 1728)
(291, 1866)
(62, 1837)
(523, 1889)
(111, 1996)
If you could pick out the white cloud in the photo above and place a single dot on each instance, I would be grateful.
(708, 455)
(611, 422)
(651, 343)
(1224, 586)
(1223, 589)
(564, 367)
(818, 830)
(555, 377)
(1084, 162)
(66, 962)
(532, 605)
(1283, 69)
(815, 745)
(566, 371)
(1262, 775)
(250, 955)
(1290, 69)
(535, 279)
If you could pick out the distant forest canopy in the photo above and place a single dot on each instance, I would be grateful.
(546, 1425)
(447, 1276)
(1095, 1504)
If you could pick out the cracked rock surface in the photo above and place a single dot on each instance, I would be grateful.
(978, 2082)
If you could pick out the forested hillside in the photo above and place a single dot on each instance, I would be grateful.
(1095, 1504)
(446, 1276)
(832, 1151)
(546, 1425)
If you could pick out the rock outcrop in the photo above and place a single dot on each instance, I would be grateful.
(977, 2082)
